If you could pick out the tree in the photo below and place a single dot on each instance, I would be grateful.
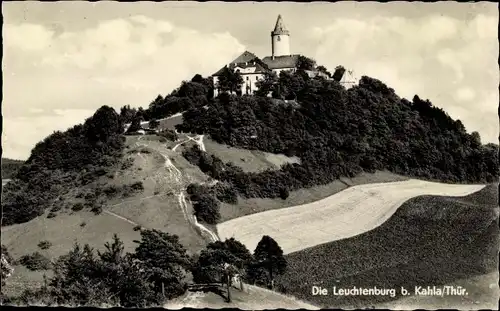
(269, 255)
(339, 73)
(207, 208)
(305, 63)
(76, 279)
(127, 114)
(323, 69)
(103, 124)
(164, 260)
(122, 275)
(153, 123)
(267, 84)
(220, 262)
(230, 81)
(135, 125)
(284, 193)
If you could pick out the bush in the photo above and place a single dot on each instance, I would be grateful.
(57, 207)
(137, 228)
(226, 193)
(97, 209)
(207, 209)
(35, 262)
(127, 163)
(110, 190)
(77, 207)
(284, 193)
(51, 215)
(83, 224)
(169, 134)
(137, 186)
(44, 244)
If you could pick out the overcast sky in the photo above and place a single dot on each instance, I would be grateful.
(63, 60)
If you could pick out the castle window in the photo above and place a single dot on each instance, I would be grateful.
(279, 39)
(247, 78)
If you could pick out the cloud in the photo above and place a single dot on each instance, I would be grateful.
(451, 62)
(27, 37)
(465, 94)
(126, 61)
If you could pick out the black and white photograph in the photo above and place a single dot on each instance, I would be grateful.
(250, 155)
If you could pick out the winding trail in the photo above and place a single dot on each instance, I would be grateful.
(192, 219)
(198, 140)
(121, 217)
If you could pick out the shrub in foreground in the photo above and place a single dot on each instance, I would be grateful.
(35, 262)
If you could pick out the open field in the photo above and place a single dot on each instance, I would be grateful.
(346, 214)
(430, 240)
(248, 160)
(250, 206)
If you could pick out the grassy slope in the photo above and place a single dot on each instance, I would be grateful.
(428, 241)
(248, 160)
(251, 298)
(302, 196)
(156, 207)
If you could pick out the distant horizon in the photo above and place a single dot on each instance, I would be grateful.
(64, 60)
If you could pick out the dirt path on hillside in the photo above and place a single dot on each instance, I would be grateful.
(197, 139)
(121, 217)
(256, 295)
(192, 219)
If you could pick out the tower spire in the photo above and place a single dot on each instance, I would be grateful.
(280, 39)
(280, 28)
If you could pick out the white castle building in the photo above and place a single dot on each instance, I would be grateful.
(252, 69)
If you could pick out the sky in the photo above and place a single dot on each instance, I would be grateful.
(64, 60)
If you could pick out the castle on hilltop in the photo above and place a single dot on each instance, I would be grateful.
(252, 69)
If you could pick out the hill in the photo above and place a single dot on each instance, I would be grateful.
(227, 155)
(10, 167)
(338, 132)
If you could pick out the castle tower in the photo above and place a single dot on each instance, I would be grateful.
(280, 39)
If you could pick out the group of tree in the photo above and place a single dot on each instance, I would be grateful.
(10, 167)
(62, 161)
(221, 262)
(195, 93)
(233, 181)
(158, 270)
(338, 132)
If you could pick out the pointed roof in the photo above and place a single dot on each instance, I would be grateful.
(244, 61)
(280, 28)
(280, 62)
(349, 79)
(244, 57)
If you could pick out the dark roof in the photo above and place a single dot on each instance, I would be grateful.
(246, 60)
(258, 68)
(287, 61)
(280, 28)
(244, 57)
